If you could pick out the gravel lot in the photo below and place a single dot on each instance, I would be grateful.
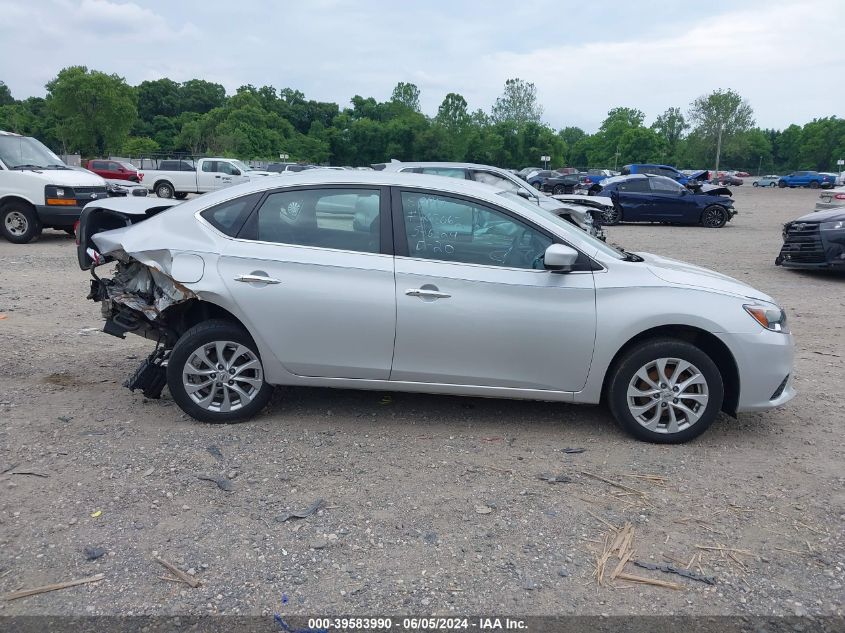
(432, 504)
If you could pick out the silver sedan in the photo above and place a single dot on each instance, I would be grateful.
(390, 281)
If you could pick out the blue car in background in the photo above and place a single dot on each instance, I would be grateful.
(666, 170)
(647, 198)
(811, 179)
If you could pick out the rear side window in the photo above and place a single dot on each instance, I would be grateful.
(449, 172)
(343, 219)
(230, 216)
(635, 185)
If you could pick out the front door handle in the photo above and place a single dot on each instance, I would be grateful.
(257, 279)
(424, 293)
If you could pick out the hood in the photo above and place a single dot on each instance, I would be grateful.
(831, 215)
(683, 274)
(702, 175)
(67, 177)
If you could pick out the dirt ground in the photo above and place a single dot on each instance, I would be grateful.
(432, 504)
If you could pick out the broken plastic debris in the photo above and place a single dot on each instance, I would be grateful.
(96, 513)
(301, 514)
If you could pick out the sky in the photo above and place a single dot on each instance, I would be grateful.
(785, 57)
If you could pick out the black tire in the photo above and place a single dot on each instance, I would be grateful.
(781, 184)
(814, 184)
(623, 373)
(164, 190)
(611, 217)
(180, 195)
(19, 222)
(559, 190)
(205, 333)
(714, 217)
(774, 184)
(754, 184)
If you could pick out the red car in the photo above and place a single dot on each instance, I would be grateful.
(115, 170)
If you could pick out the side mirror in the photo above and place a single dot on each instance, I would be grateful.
(524, 194)
(560, 258)
(236, 172)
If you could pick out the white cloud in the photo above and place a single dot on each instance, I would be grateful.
(784, 57)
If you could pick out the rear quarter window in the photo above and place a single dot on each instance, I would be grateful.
(230, 216)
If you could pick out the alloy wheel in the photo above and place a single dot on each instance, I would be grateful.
(222, 376)
(667, 395)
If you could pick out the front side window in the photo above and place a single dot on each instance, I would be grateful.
(449, 172)
(454, 230)
(665, 185)
(227, 168)
(344, 219)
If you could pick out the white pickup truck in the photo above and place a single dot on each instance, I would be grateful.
(176, 178)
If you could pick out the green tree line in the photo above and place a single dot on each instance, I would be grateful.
(96, 114)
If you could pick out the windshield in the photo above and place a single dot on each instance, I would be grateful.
(242, 166)
(20, 151)
(129, 166)
(607, 249)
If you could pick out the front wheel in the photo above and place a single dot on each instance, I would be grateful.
(774, 184)
(559, 190)
(180, 195)
(781, 184)
(714, 217)
(215, 373)
(755, 184)
(665, 391)
(19, 223)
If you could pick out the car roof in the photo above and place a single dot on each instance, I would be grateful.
(396, 166)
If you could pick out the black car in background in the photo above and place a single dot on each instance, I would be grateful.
(815, 240)
(554, 182)
(647, 198)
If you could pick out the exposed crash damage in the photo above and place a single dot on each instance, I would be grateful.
(585, 212)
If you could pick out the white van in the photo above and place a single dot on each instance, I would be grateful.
(37, 190)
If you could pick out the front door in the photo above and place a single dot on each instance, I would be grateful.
(312, 274)
(474, 305)
(672, 202)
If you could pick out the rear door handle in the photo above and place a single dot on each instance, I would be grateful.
(427, 294)
(257, 279)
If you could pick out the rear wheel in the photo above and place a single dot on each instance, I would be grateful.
(559, 190)
(755, 184)
(714, 217)
(665, 391)
(164, 190)
(611, 216)
(773, 184)
(215, 373)
(814, 184)
(19, 223)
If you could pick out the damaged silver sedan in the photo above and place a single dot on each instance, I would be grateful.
(403, 282)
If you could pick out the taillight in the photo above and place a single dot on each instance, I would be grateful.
(76, 231)
(140, 176)
(840, 196)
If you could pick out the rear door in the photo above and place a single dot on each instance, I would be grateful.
(312, 271)
(634, 198)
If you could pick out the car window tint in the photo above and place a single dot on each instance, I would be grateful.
(209, 166)
(635, 185)
(345, 219)
(454, 230)
(450, 172)
(495, 180)
(230, 216)
(665, 185)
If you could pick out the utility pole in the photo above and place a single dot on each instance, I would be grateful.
(760, 165)
(615, 158)
(718, 148)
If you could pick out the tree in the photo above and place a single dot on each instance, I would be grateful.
(518, 104)
(201, 96)
(719, 116)
(406, 94)
(670, 126)
(139, 145)
(158, 98)
(95, 111)
(5, 95)
(452, 113)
